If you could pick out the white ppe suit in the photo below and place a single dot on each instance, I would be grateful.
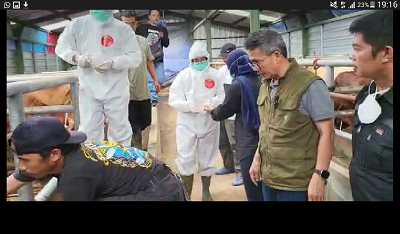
(102, 94)
(197, 134)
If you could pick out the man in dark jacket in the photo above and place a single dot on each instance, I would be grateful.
(371, 167)
(241, 99)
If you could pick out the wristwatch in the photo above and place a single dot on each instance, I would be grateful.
(323, 173)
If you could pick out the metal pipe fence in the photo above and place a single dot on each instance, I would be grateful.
(330, 81)
(19, 84)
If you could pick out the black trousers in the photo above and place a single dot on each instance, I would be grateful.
(163, 186)
(139, 115)
(227, 151)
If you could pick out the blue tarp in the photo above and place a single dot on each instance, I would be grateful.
(176, 56)
(279, 27)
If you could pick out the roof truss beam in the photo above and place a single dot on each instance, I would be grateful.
(57, 15)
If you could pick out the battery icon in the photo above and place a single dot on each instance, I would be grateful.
(372, 4)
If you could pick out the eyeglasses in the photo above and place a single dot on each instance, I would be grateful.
(256, 65)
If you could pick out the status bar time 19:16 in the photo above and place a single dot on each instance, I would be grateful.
(378, 5)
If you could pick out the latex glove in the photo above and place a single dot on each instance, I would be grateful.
(104, 66)
(83, 60)
(208, 106)
(195, 108)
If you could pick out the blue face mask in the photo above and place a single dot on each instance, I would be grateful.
(101, 15)
(200, 66)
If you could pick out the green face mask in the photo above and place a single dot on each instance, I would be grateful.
(101, 15)
(200, 66)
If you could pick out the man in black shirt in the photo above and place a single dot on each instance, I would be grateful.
(157, 35)
(90, 171)
(371, 167)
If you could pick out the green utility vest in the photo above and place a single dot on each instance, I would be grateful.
(288, 138)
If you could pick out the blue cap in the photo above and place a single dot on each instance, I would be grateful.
(42, 133)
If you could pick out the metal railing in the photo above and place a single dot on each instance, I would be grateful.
(330, 64)
(339, 184)
(19, 84)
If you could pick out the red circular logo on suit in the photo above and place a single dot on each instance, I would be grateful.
(107, 41)
(209, 83)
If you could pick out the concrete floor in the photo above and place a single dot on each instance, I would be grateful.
(221, 186)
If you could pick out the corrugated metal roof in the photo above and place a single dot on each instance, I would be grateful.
(238, 19)
(40, 17)
(45, 17)
(58, 20)
(26, 14)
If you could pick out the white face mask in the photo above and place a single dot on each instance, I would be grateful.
(370, 109)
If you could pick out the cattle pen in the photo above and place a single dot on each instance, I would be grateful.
(314, 38)
(338, 185)
(19, 84)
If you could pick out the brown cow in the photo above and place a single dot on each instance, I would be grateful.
(344, 79)
(60, 95)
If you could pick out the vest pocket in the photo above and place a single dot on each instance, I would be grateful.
(286, 113)
(288, 105)
(289, 167)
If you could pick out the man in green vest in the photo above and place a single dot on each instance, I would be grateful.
(296, 131)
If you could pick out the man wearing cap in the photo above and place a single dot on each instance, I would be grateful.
(90, 171)
(227, 140)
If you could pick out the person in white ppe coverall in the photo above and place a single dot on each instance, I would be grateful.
(104, 49)
(197, 133)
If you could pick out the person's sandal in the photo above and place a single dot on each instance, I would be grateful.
(224, 171)
(237, 181)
